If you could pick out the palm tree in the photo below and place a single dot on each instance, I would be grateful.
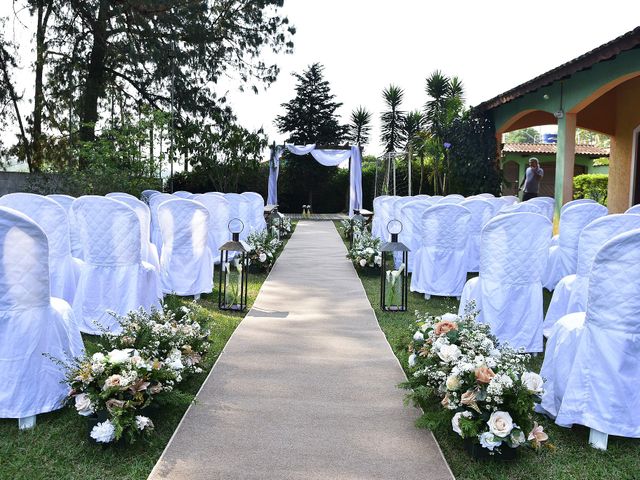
(360, 126)
(392, 119)
(413, 126)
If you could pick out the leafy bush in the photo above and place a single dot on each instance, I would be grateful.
(592, 186)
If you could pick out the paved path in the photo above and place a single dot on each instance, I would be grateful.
(306, 386)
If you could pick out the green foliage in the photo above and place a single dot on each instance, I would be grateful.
(594, 186)
(392, 133)
(360, 126)
(524, 135)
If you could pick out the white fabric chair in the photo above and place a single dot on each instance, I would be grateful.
(451, 199)
(182, 194)
(65, 201)
(508, 292)
(440, 265)
(120, 194)
(240, 207)
(555, 239)
(547, 209)
(570, 294)
(486, 195)
(524, 207)
(509, 199)
(412, 226)
(257, 210)
(563, 258)
(186, 263)
(635, 209)
(31, 323)
(64, 271)
(591, 366)
(154, 201)
(481, 212)
(219, 234)
(114, 276)
(149, 251)
(376, 223)
(147, 194)
(383, 209)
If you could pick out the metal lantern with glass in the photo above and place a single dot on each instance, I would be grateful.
(358, 223)
(234, 274)
(276, 222)
(394, 275)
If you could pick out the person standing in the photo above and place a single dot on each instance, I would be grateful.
(531, 181)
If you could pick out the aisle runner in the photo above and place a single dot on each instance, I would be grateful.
(306, 386)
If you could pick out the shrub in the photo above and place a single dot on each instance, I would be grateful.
(592, 186)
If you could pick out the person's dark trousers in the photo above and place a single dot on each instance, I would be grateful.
(528, 196)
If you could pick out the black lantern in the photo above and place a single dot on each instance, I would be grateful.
(234, 271)
(357, 226)
(276, 222)
(394, 273)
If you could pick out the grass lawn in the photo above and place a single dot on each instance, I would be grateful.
(572, 458)
(59, 446)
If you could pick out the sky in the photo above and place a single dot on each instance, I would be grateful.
(365, 45)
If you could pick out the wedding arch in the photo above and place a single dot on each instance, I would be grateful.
(329, 157)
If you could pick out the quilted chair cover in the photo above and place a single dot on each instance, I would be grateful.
(114, 277)
(451, 199)
(218, 208)
(397, 214)
(509, 199)
(563, 259)
(481, 212)
(499, 203)
(258, 222)
(52, 218)
(528, 207)
(570, 294)
(220, 194)
(547, 209)
(240, 207)
(591, 366)
(31, 322)
(635, 209)
(154, 201)
(119, 194)
(147, 194)
(384, 213)
(486, 195)
(508, 292)
(65, 201)
(440, 265)
(182, 194)
(149, 251)
(376, 223)
(412, 232)
(555, 239)
(186, 263)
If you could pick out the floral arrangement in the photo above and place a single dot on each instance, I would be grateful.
(365, 252)
(285, 227)
(264, 248)
(485, 386)
(132, 369)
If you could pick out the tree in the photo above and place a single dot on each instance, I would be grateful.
(360, 126)
(524, 135)
(310, 117)
(392, 119)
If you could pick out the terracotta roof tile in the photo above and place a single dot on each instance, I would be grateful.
(551, 148)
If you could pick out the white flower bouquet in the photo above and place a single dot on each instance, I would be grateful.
(365, 252)
(485, 386)
(264, 249)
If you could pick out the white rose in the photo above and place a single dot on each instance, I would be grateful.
(377, 260)
(412, 360)
(98, 358)
(489, 441)
(143, 422)
(83, 405)
(449, 353)
(533, 382)
(453, 382)
(120, 356)
(449, 317)
(262, 257)
(369, 251)
(455, 421)
(114, 381)
(418, 336)
(363, 263)
(104, 432)
(500, 424)
(517, 437)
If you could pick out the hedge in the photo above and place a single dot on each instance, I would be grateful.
(592, 186)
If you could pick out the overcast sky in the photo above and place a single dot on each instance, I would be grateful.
(367, 44)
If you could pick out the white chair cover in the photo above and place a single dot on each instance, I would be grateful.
(508, 292)
(154, 201)
(114, 277)
(481, 212)
(635, 209)
(376, 223)
(31, 322)
(65, 201)
(396, 213)
(440, 266)
(186, 262)
(182, 194)
(485, 195)
(147, 194)
(240, 207)
(383, 209)
(570, 294)
(563, 259)
(220, 194)
(120, 194)
(509, 199)
(52, 218)
(219, 234)
(258, 222)
(451, 199)
(149, 251)
(412, 226)
(575, 202)
(547, 209)
(591, 366)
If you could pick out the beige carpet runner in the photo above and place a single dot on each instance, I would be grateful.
(306, 386)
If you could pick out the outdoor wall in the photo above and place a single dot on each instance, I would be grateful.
(627, 119)
(11, 182)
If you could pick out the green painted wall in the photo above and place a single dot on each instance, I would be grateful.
(523, 161)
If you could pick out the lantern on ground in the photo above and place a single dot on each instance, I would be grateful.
(357, 226)
(394, 274)
(276, 222)
(234, 271)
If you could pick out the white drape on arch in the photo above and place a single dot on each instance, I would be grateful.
(326, 157)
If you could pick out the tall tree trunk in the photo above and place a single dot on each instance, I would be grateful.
(44, 10)
(94, 84)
